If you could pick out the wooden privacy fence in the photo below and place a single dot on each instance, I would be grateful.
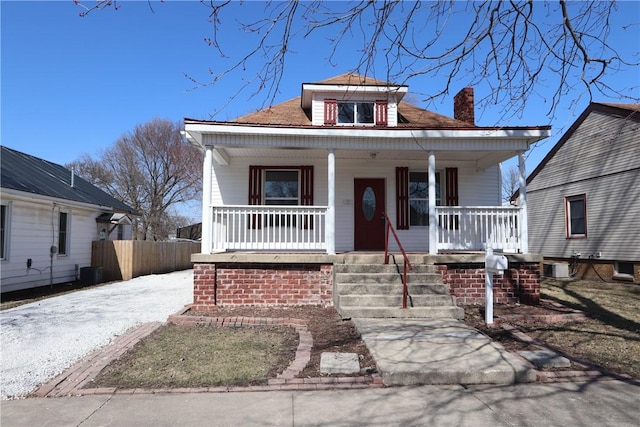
(126, 259)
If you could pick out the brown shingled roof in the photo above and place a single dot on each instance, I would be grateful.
(290, 113)
(354, 79)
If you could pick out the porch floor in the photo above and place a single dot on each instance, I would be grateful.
(354, 257)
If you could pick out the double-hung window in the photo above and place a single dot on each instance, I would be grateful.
(63, 233)
(576, 214)
(280, 186)
(419, 198)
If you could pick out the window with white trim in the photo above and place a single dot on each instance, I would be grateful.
(63, 233)
(281, 187)
(576, 216)
(354, 113)
(419, 197)
(345, 113)
(4, 231)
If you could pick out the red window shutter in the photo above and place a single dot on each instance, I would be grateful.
(451, 177)
(402, 198)
(306, 182)
(306, 192)
(382, 113)
(255, 193)
(330, 111)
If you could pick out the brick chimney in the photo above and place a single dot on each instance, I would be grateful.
(463, 106)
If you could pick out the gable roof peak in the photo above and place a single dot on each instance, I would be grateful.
(355, 80)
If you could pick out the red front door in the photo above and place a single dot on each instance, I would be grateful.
(369, 214)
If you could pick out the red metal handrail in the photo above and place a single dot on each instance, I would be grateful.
(404, 254)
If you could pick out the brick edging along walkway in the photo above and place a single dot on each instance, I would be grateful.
(72, 380)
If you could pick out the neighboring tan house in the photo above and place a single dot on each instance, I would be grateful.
(584, 197)
(309, 181)
(49, 219)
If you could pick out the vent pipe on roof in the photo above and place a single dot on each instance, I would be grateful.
(72, 177)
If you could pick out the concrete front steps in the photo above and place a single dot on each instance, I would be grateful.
(369, 289)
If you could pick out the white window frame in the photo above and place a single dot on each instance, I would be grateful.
(425, 199)
(6, 230)
(568, 200)
(355, 113)
(264, 187)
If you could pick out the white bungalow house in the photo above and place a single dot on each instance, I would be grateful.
(49, 217)
(324, 173)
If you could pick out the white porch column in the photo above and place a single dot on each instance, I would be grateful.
(524, 222)
(433, 219)
(330, 230)
(207, 171)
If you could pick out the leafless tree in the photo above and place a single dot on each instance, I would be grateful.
(152, 169)
(510, 45)
(510, 183)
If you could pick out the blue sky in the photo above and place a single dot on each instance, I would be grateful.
(73, 85)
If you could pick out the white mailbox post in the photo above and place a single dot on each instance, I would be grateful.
(493, 264)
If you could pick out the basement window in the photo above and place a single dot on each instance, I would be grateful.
(623, 270)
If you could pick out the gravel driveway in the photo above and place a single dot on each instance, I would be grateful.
(40, 340)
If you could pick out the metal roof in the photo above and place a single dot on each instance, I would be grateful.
(29, 174)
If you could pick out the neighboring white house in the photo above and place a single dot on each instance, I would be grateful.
(584, 197)
(49, 217)
(319, 172)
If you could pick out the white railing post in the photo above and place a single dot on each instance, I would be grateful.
(207, 217)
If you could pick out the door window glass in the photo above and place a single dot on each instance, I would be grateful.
(368, 203)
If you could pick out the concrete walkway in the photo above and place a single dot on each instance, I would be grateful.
(605, 403)
(439, 351)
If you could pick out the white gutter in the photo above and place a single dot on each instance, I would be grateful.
(349, 132)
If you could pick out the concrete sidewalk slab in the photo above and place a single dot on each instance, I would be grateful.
(439, 351)
(601, 404)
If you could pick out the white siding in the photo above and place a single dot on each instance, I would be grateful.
(476, 188)
(601, 160)
(33, 230)
(317, 105)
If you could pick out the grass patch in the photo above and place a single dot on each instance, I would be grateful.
(611, 339)
(187, 356)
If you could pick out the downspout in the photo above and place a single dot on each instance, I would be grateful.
(524, 220)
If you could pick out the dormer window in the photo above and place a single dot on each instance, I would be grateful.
(354, 113)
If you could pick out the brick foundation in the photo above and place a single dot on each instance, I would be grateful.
(521, 283)
(258, 284)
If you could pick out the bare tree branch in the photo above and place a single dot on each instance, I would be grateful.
(508, 45)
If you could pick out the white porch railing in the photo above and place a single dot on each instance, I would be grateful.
(471, 227)
(268, 227)
(303, 228)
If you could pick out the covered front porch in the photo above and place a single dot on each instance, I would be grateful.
(445, 222)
